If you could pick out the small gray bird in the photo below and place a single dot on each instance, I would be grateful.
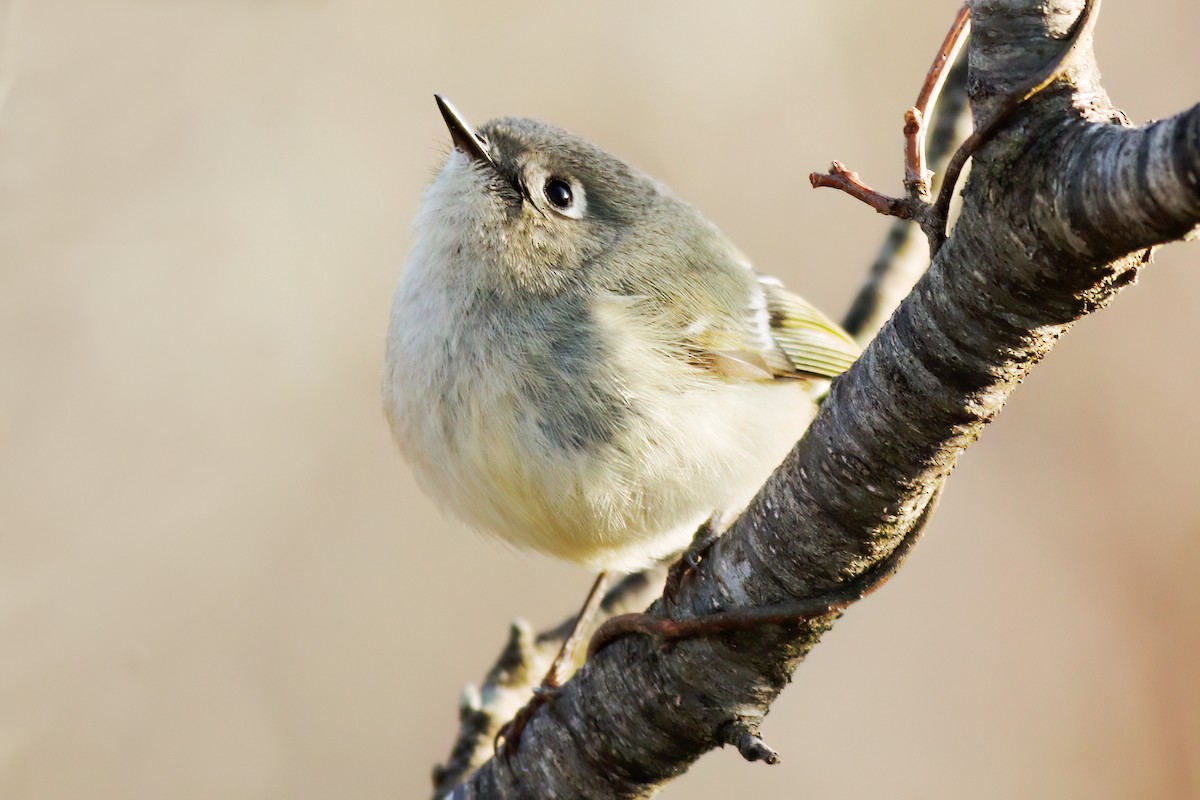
(579, 362)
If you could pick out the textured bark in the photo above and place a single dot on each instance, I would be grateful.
(1058, 214)
(510, 682)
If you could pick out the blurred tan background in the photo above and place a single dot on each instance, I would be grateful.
(217, 579)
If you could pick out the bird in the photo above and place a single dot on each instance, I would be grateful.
(580, 363)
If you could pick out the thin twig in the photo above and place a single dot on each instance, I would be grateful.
(917, 196)
(847, 181)
(933, 218)
(916, 178)
(904, 254)
(1055, 70)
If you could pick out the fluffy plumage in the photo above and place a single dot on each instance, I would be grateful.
(593, 380)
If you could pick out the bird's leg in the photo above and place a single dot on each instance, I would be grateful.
(509, 736)
(586, 614)
(668, 631)
(706, 536)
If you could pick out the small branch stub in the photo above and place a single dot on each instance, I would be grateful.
(848, 181)
(745, 738)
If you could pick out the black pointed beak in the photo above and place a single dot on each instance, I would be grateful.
(461, 132)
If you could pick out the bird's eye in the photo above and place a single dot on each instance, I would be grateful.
(558, 192)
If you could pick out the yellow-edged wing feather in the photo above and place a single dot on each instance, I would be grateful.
(814, 344)
(777, 335)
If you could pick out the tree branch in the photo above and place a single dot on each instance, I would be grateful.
(1117, 190)
(510, 680)
(1057, 205)
(904, 254)
(509, 683)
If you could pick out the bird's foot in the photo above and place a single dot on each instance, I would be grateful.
(667, 631)
(508, 738)
(703, 540)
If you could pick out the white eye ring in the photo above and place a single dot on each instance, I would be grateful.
(559, 193)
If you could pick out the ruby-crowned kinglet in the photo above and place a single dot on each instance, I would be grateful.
(579, 362)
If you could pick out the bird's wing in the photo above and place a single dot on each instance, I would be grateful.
(813, 343)
(766, 332)
(751, 330)
(715, 311)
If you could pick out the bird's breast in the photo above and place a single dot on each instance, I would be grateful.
(574, 434)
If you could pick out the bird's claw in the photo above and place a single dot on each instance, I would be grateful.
(706, 536)
(508, 738)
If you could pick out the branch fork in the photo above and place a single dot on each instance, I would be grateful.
(917, 203)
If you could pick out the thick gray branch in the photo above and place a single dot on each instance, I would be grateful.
(1122, 189)
(1052, 216)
